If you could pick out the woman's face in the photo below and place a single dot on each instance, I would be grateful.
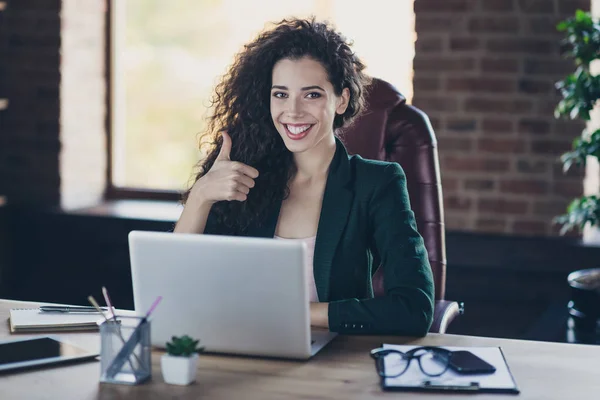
(303, 103)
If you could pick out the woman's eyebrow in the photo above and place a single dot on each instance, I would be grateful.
(304, 88)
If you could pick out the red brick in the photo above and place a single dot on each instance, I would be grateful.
(497, 5)
(502, 206)
(482, 85)
(429, 44)
(553, 67)
(443, 64)
(550, 147)
(536, 6)
(449, 184)
(461, 124)
(496, 24)
(528, 166)
(433, 23)
(550, 208)
(524, 186)
(533, 126)
(446, 6)
(475, 164)
(496, 125)
(531, 86)
(491, 225)
(500, 65)
(435, 103)
(454, 202)
(521, 45)
(569, 189)
(426, 84)
(509, 146)
(494, 106)
(464, 44)
(541, 25)
(480, 185)
(570, 6)
(450, 144)
(528, 227)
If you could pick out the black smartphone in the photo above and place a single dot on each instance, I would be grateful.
(465, 362)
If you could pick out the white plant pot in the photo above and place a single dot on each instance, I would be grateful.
(179, 370)
(591, 234)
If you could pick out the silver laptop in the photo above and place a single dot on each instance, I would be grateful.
(237, 295)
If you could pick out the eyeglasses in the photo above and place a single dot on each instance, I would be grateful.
(433, 361)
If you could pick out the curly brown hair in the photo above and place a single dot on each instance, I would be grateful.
(241, 105)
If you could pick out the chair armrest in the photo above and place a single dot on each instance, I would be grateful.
(444, 313)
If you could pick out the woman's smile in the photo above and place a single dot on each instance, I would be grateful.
(297, 131)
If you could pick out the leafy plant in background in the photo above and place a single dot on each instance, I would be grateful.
(183, 346)
(580, 91)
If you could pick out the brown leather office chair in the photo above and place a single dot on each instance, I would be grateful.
(391, 130)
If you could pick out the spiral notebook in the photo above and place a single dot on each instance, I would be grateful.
(413, 379)
(30, 320)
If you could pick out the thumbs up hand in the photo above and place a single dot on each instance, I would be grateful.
(226, 180)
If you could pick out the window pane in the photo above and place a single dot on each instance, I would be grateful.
(169, 56)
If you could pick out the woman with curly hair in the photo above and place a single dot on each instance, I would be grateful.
(276, 169)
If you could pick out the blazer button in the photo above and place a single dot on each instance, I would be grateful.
(346, 325)
(361, 326)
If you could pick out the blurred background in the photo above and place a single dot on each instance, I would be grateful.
(102, 103)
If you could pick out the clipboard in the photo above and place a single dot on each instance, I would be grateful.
(501, 381)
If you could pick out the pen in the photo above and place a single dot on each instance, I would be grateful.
(70, 309)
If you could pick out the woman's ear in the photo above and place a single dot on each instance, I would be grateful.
(343, 101)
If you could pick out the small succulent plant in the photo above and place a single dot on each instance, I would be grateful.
(183, 346)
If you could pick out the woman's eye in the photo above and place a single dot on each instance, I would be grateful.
(279, 95)
(313, 95)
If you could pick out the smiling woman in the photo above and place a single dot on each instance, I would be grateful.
(275, 168)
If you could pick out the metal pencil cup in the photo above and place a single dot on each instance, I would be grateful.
(125, 352)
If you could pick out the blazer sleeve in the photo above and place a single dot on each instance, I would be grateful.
(407, 307)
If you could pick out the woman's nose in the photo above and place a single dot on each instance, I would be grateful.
(294, 106)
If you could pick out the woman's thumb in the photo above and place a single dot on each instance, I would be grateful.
(225, 147)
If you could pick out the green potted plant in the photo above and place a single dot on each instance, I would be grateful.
(179, 364)
(580, 92)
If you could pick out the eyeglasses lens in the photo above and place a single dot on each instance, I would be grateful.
(433, 363)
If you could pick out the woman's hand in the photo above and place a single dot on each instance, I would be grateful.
(319, 315)
(226, 180)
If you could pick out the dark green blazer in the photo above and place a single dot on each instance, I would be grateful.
(366, 220)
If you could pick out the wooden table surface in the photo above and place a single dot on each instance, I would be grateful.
(343, 370)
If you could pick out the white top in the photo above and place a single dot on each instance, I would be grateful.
(308, 268)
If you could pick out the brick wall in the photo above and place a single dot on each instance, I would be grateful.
(52, 133)
(484, 73)
(30, 78)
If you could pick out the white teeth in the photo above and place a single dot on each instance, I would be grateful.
(296, 130)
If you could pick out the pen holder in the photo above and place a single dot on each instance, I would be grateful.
(125, 352)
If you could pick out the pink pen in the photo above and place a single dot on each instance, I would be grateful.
(153, 306)
(108, 303)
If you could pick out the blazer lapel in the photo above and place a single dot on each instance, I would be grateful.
(337, 202)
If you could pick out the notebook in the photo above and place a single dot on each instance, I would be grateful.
(413, 379)
(28, 320)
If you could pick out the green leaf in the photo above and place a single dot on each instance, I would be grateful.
(562, 26)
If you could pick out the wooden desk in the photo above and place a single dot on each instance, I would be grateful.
(343, 370)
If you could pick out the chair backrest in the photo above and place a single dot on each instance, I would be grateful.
(391, 130)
